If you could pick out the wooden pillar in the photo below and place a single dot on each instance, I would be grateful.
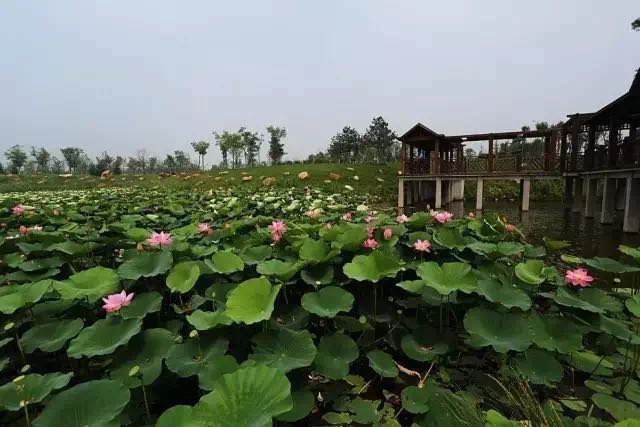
(553, 156)
(590, 156)
(568, 191)
(490, 155)
(575, 134)
(563, 149)
(612, 154)
(577, 195)
(608, 200)
(590, 198)
(547, 152)
(401, 195)
(436, 158)
(403, 158)
(438, 201)
(525, 191)
(632, 206)
(479, 190)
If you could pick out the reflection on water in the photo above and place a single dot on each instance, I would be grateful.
(588, 238)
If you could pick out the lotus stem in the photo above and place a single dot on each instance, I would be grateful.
(26, 414)
(20, 348)
(146, 402)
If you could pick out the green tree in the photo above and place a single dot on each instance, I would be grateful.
(169, 163)
(117, 165)
(381, 139)
(16, 157)
(73, 157)
(230, 143)
(182, 160)
(152, 164)
(103, 162)
(42, 158)
(276, 146)
(56, 165)
(345, 146)
(251, 143)
(201, 148)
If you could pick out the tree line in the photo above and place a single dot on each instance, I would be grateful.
(241, 148)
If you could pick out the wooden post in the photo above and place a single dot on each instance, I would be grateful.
(612, 155)
(553, 156)
(490, 155)
(631, 223)
(590, 198)
(563, 149)
(525, 190)
(590, 156)
(479, 191)
(608, 200)
(575, 133)
(403, 158)
(438, 201)
(401, 194)
(436, 158)
(547, 152)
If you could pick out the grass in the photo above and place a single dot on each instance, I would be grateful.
(371, 178)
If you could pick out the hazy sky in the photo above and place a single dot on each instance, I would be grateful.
(121, 75)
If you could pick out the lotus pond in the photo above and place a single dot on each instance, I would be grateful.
(302, 308)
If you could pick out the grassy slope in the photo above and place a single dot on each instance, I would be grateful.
(369, 179)
(318, 173)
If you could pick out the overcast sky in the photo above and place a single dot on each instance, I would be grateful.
(121, 75)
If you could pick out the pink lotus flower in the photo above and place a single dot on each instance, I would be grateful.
(442, 216)
(401, 219)
(471, 214)
(369, 218)
(115, 302)
(578, 277)
(23, 230)
(276, 237)
(278, 227)
(313, 214)
(370, 232)
(422, 246)
(160, 239)
(18, 210)
(347, 216)
(510, 228)
(370, 244)
(204, 228)
(388, 233)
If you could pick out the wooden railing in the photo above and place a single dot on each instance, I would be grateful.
(627, 156)
(481, 165)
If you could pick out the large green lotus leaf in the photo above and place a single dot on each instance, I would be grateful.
(103, 337)
(32, 388)
(590, 362)
(450, 238)
(373, 267)
(632, 252)
(141, 305)
(619, 409)
(424, 344)
(505, 294)
(73, 248)
(539, 367)
(416, 400)
(447, 409)
(633, 305)
(177, 416)
(318, 274)
(327, 302)
(41, 264)
(496, 419)
(50, 336)
(13, 297)
(483, 248)
(509, 248)
(203, 320)
(502, 331)
(93, 283)
(146, 264)
(352, 238)
(283, 349)
(591, 299)
(618, 329)
(631, 422)
(314, 250)
(632, 391)
(413, 286)
(187, 359)
(448, 277)
(303, 402)
(21, 276)
(215, 367)
(337, 418)
(382, 363)
(554, 245)
(335, 354)
(93, 403)
(365, 411)
(226, 262)
(146, 351)
(556, 333)
(252, 301)
(256, 254)
(248, 397)
(183, 276)
(283, 270)
(138, 234)
(610, 265)
(531, 271)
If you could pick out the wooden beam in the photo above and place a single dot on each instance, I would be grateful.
(500, 135)
(563, 150)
